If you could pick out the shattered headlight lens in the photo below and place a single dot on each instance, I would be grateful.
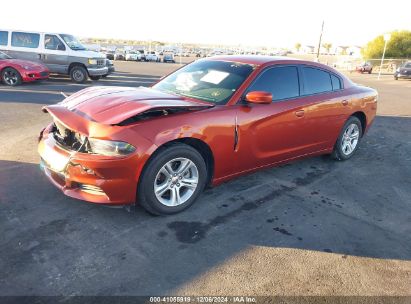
(109, 147)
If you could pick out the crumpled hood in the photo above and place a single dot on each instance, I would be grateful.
(113, 105)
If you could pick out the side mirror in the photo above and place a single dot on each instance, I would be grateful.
(61, 47)
(259, 97)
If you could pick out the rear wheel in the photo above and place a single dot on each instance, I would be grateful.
(172, 180)
(348, 140)
(11, 77)
(78, 74)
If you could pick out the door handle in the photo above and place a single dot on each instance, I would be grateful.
(299, 113)
(344, 102)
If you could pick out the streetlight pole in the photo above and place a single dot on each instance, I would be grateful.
(386, 39)
(319, 42)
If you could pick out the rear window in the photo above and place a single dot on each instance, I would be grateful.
(316, 81)
(28, 40)
(335, 82)
(4, 36)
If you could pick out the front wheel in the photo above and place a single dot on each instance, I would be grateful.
(78, 74)
(172, 180)
(348, 140)
(11, 77)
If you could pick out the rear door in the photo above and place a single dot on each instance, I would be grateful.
(54, 54)
(327, 106)
(269, 133)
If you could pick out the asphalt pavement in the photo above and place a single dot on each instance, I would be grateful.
(313, 227)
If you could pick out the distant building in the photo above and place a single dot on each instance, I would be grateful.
(308, 49)
(354, 51)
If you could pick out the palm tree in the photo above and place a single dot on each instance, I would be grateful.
(327, 46)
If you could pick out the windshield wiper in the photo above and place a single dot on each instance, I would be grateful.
(198, 97)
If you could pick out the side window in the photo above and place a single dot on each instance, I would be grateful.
(316, 81)
(4, 36)
(28, 40)
(281, 82)
(52, 42)
(335, 82)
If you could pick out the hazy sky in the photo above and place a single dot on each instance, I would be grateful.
(256, 22)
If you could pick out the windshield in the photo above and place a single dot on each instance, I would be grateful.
(4, 56)
(407, 65)
(72, 42)
(207, 80)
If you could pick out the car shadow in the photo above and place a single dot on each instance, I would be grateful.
(52, 244)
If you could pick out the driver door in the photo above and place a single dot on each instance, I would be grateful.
(54, 54)
(269, 133)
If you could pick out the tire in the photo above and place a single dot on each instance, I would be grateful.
(395, 77)
(369, 72)
(104, 76)
(95, 78)
(341, 150)
(78, 74)
(155, 175)
(11, 77)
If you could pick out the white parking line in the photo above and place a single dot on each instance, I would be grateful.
(31, 91)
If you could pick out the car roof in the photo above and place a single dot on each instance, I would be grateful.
(261, 60)
(253, 59)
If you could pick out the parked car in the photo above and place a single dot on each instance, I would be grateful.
(365, 67)
(110, 55)
(119, 55)
(153, 56)
(61, 53)
(15, 71)
(132, 56)
(404, 71)
(142, 56)
(204, 124)
(110, 66)
(168, 57)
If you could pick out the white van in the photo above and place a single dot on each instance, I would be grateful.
(61, 53)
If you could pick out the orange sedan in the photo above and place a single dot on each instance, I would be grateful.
(208, 122)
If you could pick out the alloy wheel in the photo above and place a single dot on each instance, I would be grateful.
(176, 182)
(350, 139)
(10, 77)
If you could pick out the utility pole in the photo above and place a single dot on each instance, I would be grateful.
(319, 42)
(387, 37)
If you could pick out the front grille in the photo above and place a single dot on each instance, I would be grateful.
(101, 62)
(91, 189)
(66, 138)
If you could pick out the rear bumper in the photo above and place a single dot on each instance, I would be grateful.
(28, 76)
(92, 178)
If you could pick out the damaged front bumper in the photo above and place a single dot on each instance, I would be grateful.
(93, 178)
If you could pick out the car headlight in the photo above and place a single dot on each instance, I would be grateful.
(92, 61)
(110, 147)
